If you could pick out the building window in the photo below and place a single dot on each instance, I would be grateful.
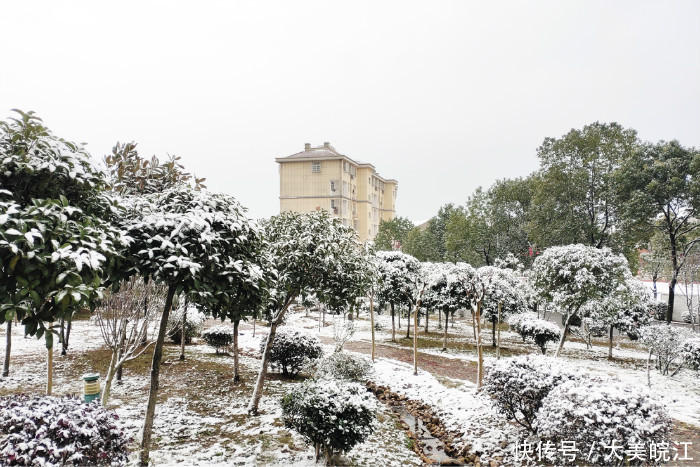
(315, 166)
(332, 185)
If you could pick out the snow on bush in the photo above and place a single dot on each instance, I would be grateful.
(49, 431)
(658, 310)
(691, 352)
(333, 415)
(344, 366)
(665, 342)
(519, 384)
(632, 319)
(193, 324)
(291, 350)
(538, 330)
(595, 414)
(219, 337)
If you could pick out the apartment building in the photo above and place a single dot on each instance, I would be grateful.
(322, 178)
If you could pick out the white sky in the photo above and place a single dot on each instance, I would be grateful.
(443, 96)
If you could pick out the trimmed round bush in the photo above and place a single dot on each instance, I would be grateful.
(344, 366)
(292, 350)
(518, 385)
(193, 325)
(691, 352)
(47, 430)
(540, 331)
(658, 310)
(332, 415)
(595, 414)
(219, 337)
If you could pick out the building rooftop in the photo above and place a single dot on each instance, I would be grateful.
(326, 152)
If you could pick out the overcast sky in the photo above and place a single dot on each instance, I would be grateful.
(442, 96)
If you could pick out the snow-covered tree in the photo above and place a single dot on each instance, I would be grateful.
(626, 308)
(57, 242)
(308, 251)
(541, 331)
(506, 291)
(397, 275)
(447, 292)
(191, 242)
(571, 276)
(665, 342)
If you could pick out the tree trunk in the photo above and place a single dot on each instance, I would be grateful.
(444, 338)
(408, 323)
(649, 369)
(415, 330)
(147, 429)
(671, 296)
(563, 335)
(473, 324)
(426, 321)
(111, 370)
(479, 349)
(415, 341)
(393, 325)
(183, 332)
(49, 365)
(439, 319)
(236, 371)
(120, 351)
(610, 346)
(257, 391)
(63, 336)
(493, 333)
(8, 348)
(371, 319)
(67, 339)
(498, 340)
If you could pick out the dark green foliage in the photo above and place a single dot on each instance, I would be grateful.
(38, 430)
(391, 231)
(219, 337)
(334, 416)
(291, 350)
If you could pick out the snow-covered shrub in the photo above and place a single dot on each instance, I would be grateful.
(632, 320)
(49, 431)
(691, 352)
(193, 324)
(342, 365)
(519, 384)
(658, 310)
(291, 350)
(219, 337)
(665, 343)
(333, 415)
(596, 414)
(538, 330)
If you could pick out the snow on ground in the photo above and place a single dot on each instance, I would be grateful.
(211, 426)
(196, 426)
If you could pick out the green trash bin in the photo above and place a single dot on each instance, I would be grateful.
(92, 386)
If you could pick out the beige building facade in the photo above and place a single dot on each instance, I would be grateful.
(322, 178)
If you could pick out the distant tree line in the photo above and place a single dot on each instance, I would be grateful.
(599, 186)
